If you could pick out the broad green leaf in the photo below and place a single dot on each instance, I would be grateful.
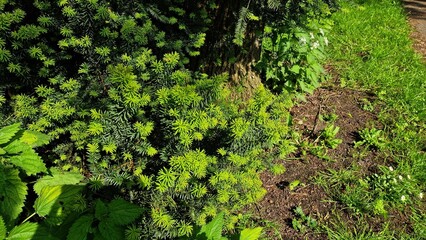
(251, 234)
(16, 147)
(29, 161)
(48, 197)
(7, 133)
(25, 157)
(52, 197)
(30, 231)
(101, 210)
(80, 228)
(122, 212)
(34, 139)
(213, 230)
(24, 231)
(111, 231)
(2, 151)
(12, 193)
(3, 229)
(57, 178)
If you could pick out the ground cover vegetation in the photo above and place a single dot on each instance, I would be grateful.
(372, 51)
(359, 170)
(132, 109)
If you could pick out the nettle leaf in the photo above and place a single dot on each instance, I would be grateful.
(7, 133)
(101, 210)
(51, 198)
(122, 212)
(110, 231)
(251, 234)
(48, 197)
(24, 231)
(30, 162)
(17, 147)
(213, 230)
(34, 139)
(30, 230)
(57, 178)
(23, 156)
(3, 229)
(12, 193)
(80, 228)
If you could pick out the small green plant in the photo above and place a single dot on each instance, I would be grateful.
(294, 184)
(326, 139)
(371, 138)
(320, 152)
(306, 146)
(367, 105)
(302, 222)
(331, 118)
(379, 207)
(328, 135)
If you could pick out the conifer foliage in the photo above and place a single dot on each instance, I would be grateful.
(105, 87)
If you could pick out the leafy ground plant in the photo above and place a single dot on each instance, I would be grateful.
(328, 135)
(301, 222)
(371, 138)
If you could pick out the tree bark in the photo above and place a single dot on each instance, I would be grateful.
(221, 55)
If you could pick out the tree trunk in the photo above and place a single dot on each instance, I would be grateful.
(221, 55)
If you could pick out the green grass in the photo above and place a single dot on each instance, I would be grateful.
(371, 50)
(371, 47)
